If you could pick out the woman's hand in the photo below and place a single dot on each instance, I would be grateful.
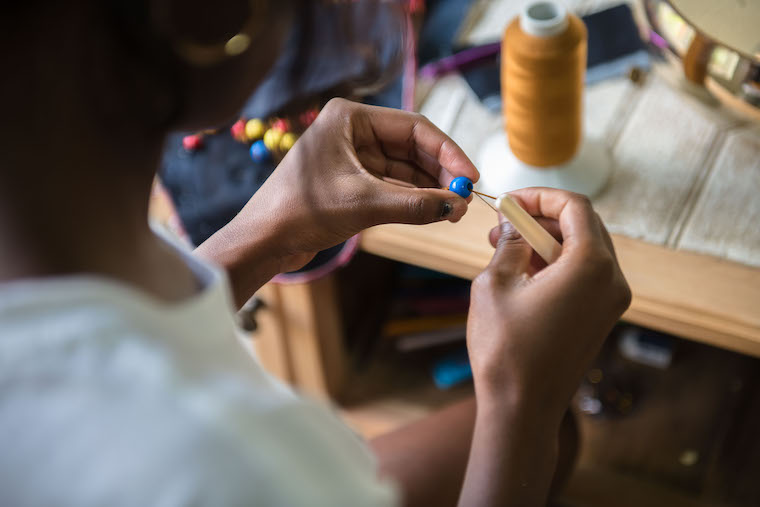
(359, 166)
(355, 167)
(533, 333)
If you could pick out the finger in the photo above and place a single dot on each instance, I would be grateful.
(380, 164)
(444, 176)
(606, 236)
(551, 225)
(391, 203)
(573, 212)
(512, 257)
(385, 167)
(536, 262)
(398, 182)
(406, 184)
(412, 136)
(407, 175)
(433, 167)
(608, 242)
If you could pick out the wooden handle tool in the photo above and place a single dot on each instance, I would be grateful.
(537, 237)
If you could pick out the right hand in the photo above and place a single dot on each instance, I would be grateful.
(532, 333)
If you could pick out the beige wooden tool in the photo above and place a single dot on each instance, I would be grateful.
(539, 238)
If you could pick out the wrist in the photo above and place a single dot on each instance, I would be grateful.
(513, 425)
(513, 455)
(520, 407)
(249, 249)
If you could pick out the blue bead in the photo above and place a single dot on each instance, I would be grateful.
(461, 186)
(259, 152)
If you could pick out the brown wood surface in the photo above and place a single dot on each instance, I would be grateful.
(600, 486)
(704, 404)
(300, 338)
(270, 341)
(691, 295)
(315, 336)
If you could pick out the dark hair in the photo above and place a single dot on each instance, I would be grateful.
(334, 49)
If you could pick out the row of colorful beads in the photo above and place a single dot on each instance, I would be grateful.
(278, 138)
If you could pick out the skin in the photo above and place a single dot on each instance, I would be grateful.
(301, 209)
(85, 115)
(531, 335)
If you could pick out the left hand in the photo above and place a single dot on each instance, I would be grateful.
(358, 166)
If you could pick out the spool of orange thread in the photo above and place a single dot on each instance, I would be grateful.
(542, 74)
(543, 70)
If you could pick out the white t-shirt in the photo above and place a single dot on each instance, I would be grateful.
(109, 397)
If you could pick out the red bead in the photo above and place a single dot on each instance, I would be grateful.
(238, 130)
(416, 6)
(308, 117)
(192, 142)
(281, 125)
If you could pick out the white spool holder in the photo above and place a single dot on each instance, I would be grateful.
(501, 171)
(543, 18)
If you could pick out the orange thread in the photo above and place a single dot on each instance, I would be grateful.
(696, 59)
(542, 85)
(484, 195)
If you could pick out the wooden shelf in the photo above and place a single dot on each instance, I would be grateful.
(598, 486)
(691, 295)
(644, 468)
(388, 397)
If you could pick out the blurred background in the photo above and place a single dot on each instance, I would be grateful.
(669, 414)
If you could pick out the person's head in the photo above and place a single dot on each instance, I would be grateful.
(139, 64)
(88, 91)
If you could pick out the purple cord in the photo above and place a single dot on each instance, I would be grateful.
(657, 40)
(461, 60)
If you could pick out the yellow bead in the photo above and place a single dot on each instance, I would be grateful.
(272, 139)
(287, 141)
(254, 129)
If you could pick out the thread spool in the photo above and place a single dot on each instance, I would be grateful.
(542, 76)
(543, 69)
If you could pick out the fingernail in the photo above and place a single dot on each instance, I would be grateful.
(446, 209)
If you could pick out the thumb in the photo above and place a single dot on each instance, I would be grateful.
(396, 204)
(495, 233)
(512, 256)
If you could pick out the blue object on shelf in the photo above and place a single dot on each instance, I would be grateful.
(259, 152)
(452, 370)
(461, 186)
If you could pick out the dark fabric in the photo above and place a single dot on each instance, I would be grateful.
(332, 49)
(439, 29)
(612, 33)
(210, 186)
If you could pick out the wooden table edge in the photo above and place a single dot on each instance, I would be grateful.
(657, 304)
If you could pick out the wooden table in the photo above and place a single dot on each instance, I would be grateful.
(683, 203)
(687, 294)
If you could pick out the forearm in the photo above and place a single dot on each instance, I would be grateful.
(247, 249)
(427, 458)
(513, 456)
